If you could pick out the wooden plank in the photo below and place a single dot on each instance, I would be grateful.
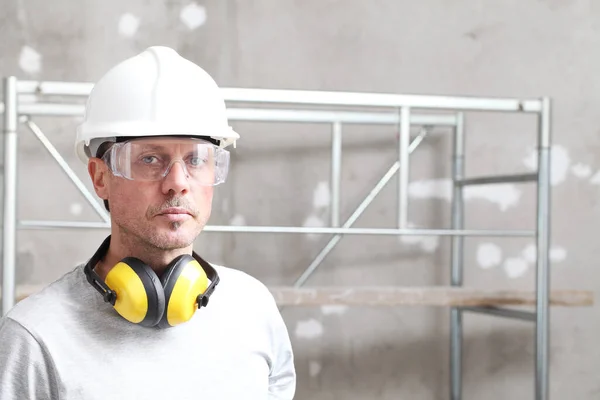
(422, 296)
(443, 296)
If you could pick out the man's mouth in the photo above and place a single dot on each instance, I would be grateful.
(174, 211)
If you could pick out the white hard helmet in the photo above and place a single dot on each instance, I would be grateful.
(155, 93)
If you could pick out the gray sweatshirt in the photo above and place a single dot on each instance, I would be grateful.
(65, 342)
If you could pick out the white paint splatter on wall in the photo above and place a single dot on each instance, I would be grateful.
(238, 220)
(338, 309)
(581, 170)
(314, 368)
(431, 189)
(489, 255)
(504, 195)
(531, 160)
(128, 25)
(428, 244)
(309, 329)
(558, 254)
(193, 16)
(515, 267)
(75, 208)
(30, 60)
(595, 180)
(529, 253)
(321, 196)
(560, 163)
(313, 221)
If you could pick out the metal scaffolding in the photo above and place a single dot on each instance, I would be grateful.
(393, 109)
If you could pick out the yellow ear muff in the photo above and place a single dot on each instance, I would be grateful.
(185, 281)
(139, 298)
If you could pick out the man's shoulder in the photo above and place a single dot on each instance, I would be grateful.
(236, 277)
(42, 302)
(242, 282)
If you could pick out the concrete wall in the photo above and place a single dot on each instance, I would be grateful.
(516, 48)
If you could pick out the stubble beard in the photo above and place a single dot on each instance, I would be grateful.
(147, 236)
(184, 237)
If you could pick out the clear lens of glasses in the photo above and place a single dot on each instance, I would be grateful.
(151, 159)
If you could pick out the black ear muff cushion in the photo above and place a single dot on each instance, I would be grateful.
(168, 281)
(183, 281)
(154, 291)
(170, 276)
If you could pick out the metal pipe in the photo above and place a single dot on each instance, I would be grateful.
(457, 253)
(404, 170)
(456, 339)
(417, 141)
(52, 110)
(336, 172)
(41, 224)
(485, 180)
(543, 248)
(9, 231)
(263, 115)
(459, 103)
(55, 88)
(67, 170)
(456, 103)
(503, 312)
(344, 117)
(356, 214)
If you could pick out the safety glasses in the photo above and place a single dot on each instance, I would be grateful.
(151, 159)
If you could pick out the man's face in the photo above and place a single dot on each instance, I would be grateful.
(166, 202)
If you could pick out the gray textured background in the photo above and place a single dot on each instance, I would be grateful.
(516, 48)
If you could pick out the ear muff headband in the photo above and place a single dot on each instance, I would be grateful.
(137, 294)
(109, 295)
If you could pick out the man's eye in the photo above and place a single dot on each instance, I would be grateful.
(196, 161)
(149, 159)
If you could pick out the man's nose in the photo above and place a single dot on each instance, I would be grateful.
(176, 179)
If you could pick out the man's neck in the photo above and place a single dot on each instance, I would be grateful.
(155, 258)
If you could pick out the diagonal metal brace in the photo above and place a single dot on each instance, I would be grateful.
(33, 127)
(358, 212)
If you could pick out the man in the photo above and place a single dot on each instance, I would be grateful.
(146, 317)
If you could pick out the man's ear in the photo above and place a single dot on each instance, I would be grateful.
(99, 175)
